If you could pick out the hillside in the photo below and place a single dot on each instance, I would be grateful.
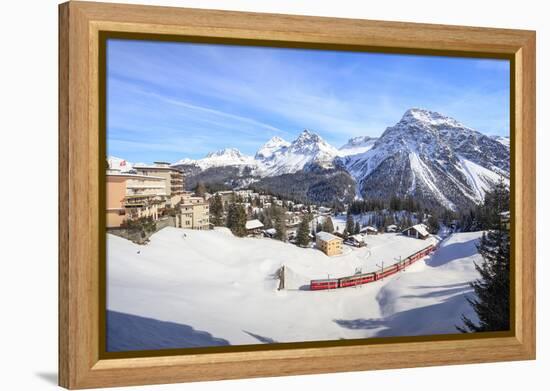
(232, 294)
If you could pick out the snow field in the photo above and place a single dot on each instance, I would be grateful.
(226, 286)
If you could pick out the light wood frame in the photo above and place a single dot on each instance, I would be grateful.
(80, 364)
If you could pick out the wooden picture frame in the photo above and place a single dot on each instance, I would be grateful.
(81, 364)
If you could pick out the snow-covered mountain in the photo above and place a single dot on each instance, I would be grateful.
(275, 144)
(432, 157)
(308, 150)
(503, 140)
(276, 157)
(426, 154)
(227, 157)
(357, 145)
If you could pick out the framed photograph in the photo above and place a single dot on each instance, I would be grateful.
(246, 195)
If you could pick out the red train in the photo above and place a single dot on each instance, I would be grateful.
(365, 278)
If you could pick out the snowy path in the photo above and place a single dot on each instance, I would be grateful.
(218, 284)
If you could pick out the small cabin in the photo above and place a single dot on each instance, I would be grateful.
(270, 232)
(391, 228)
(254, 227)
(368, 230)
(356, 240)
(419, 231)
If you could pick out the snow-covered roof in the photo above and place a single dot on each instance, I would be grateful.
(358, 238)
(421, 228)
(325, 236)
(253, 224)
(271, 231)
(368, 228)
(392, 226)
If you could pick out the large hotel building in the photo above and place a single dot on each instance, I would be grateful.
(146, 191)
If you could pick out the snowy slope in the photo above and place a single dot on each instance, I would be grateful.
(357, 145)
(274, 145)
(183, 278)
(503, 140)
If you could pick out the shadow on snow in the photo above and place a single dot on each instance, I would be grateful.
(127, 332)
(440, 318)
(452, 252)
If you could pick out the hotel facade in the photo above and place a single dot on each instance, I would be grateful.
(147, 191)
(132, 196)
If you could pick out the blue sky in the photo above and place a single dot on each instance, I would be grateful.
(167, 101)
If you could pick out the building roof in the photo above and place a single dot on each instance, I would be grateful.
(157, 168)
(368, 228)
(358, 238)
(325, 236)
(253, 224)
(137, 176)
(420, 228)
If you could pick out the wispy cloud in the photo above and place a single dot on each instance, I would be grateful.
(241, 96)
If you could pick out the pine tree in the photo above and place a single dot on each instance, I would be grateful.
(236, 220)
(280, 228)
(433, 223)
(350, 226)
(200, 189)
(302, 236)
(216, 210)
(327, 225)
(492, 289)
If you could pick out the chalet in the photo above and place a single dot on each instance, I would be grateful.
(356, 240)
(391, 228)
(328, 243)
(418, 231)
(254, 227)
(368, 230)
(270, 232)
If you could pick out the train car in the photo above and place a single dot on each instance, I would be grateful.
(387, 272)
(317, 285)
(358, 279)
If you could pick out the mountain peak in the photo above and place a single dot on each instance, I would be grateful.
(428, 117)
(226, 152)
(274, 144)
(308, 135)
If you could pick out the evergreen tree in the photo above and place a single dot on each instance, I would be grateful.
(350, 226)
(433, 223)
(327, 225)
(236, 220)
(216, 210)
(357, 228)
(302, 236)
(492, 289)
(200, 189)
(280, 228)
